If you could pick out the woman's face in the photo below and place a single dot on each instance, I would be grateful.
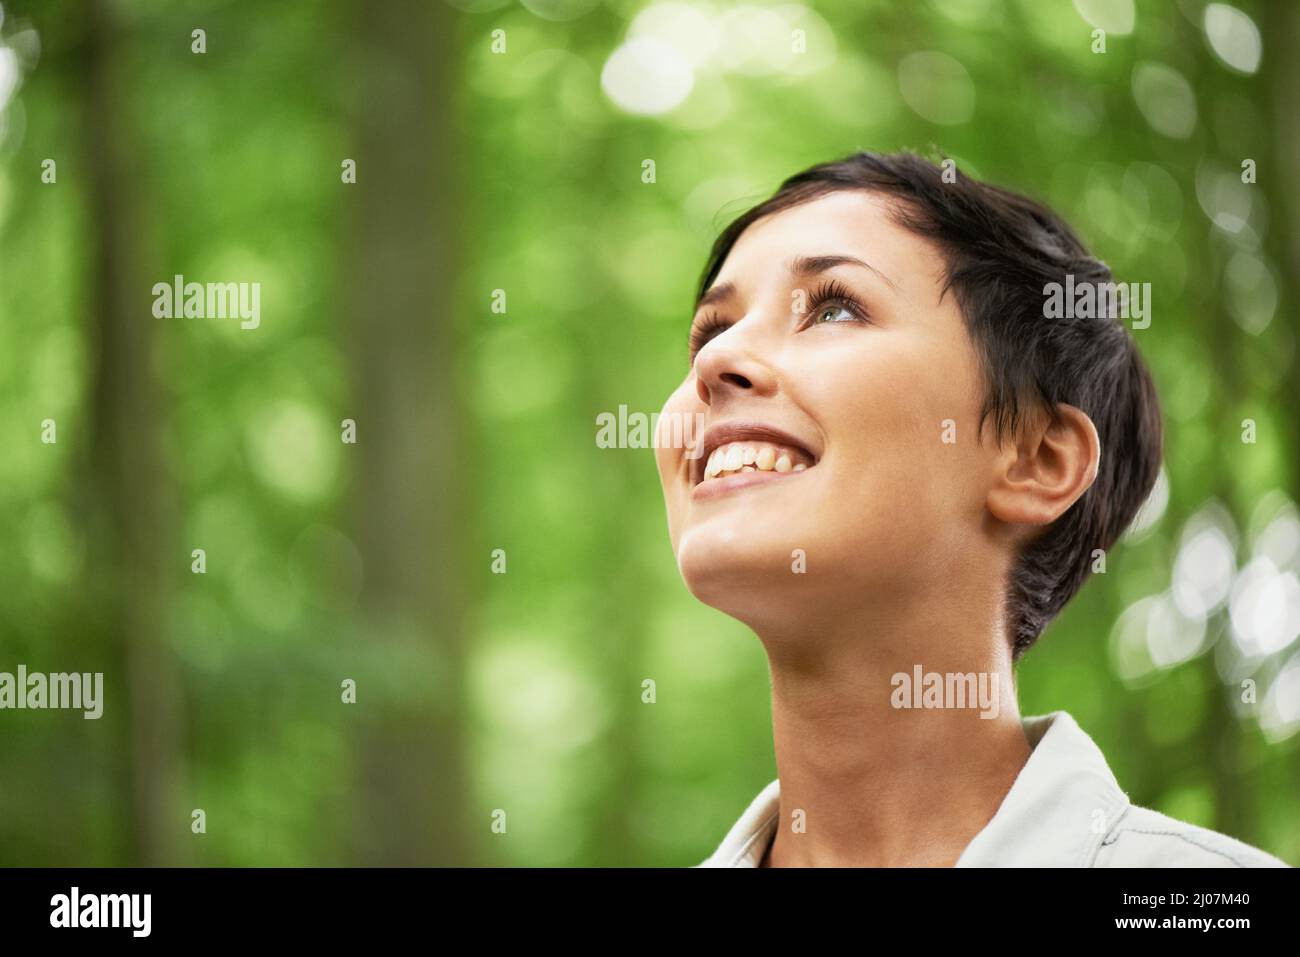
(839, 398)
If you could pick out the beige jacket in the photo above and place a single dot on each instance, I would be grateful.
(1064, 809)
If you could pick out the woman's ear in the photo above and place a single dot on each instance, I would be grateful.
(1046, 469)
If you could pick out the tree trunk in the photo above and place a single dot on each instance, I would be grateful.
(129, 568)
(410, 500)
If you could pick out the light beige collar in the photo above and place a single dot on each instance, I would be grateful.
(1056, 814)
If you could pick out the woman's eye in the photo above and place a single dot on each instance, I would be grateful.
(834, 313)
(833, 302)
(703, 332)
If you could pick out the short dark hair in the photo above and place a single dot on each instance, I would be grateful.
(1001, 251)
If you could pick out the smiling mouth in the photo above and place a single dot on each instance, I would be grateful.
(741, 455)
(737, 458)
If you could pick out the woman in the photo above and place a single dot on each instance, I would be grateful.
(910, 463)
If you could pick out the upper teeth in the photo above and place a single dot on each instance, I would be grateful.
(750, 457)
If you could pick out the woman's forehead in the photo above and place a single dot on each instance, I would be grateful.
(851, 222)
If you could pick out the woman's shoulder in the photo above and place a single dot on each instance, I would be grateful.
(1146, 838)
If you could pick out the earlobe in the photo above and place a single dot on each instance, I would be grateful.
(1046, 470)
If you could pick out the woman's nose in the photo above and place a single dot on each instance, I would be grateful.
(731, 364)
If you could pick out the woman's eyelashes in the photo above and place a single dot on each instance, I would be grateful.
(833, 298)
(704, 330)
(830, 299)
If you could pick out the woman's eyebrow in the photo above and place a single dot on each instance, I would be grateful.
(811, 265)
(723, 290)
(802, 266)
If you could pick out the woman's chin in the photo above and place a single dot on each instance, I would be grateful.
(736, 578)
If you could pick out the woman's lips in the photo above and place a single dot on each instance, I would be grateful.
(732, 483)
(749, 437)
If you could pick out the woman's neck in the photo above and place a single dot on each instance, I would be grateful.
(895, 744)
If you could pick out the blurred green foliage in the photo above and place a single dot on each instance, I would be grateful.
(522, 692)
